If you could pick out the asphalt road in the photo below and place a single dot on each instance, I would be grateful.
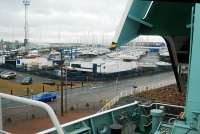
(21, 75)
(79, 97)
(106, 91)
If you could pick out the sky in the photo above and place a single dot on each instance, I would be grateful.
(61, 20)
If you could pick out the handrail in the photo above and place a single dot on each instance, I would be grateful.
(4, 132)
(89, 117)
(42, 105)
(163, 104)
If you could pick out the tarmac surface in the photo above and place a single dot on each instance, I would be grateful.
(21, 75)
(80, 98)
(107, 90)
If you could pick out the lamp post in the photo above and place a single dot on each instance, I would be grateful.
(62, 83)
(66, 91)
(26, 4)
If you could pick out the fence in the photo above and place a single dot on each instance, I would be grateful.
(134, 91)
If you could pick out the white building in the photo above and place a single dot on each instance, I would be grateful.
(38, 62)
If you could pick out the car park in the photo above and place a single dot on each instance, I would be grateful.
(45, 97)
(27, 80)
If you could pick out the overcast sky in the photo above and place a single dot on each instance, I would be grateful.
(61, 20)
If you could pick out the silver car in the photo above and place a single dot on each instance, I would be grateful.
(9, 75)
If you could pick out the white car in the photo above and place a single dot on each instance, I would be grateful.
(3, 72)
(9, 75)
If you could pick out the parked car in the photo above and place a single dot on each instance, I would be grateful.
(27, 80)
(3, 72)
(9, 75)
(134, 86)
(45, 97)
(49, 82)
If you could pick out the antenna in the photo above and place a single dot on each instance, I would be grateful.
(26, 4)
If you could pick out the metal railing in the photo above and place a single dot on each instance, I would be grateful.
(84, 119)
(41, 105)
(134, 91)
(4, 132)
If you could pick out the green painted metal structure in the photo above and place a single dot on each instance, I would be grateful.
(176, 22)
(132, 117)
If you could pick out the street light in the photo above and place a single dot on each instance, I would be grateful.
(65, 97)
(62, 83)
(26, 4)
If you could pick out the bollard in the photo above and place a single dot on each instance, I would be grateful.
(71, 85)
(11, 92)
(27, 91)
(82, 83)
(157, 117)
(43, 88)
(57, 87)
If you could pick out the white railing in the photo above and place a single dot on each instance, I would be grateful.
(134, 91)
(42, 105)
(4, 132)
